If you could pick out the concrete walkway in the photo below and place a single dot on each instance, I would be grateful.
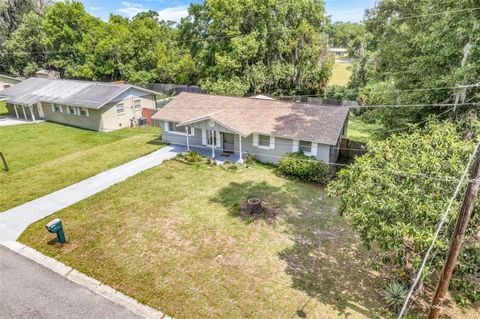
(9, 121)
(14, 221)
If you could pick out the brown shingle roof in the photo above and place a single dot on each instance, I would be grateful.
(318, 123)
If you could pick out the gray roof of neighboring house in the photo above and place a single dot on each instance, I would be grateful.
(71, 92)
(317, 123)
(5, 76)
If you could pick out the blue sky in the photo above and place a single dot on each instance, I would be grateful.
(340, 10)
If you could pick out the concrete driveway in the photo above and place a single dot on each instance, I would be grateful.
(9, 121)
(29, 290)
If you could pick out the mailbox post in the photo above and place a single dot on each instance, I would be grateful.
(55, 226)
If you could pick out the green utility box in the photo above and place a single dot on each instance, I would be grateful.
(55, 226)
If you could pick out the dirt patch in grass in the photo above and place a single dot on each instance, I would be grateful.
(171, 237)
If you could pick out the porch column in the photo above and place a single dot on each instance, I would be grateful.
(240, 160)
(40, 109)
(31, 112)
(188, 142)
(24, 113)
(213, 143)
(16, 111)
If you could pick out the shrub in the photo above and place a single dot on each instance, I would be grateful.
(394, 295)
(190, 157)
(304, 167)
(230, 166)
(250, 158)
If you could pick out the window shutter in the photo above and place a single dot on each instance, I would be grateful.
(167, 129)
(204, 136)
(218, 139)
(295, 146)
(53, 107)
(272, 142)
(61, 108)
(255, 139)
(314, 149)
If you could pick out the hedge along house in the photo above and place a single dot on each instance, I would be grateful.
(99, 106)
(266, 128)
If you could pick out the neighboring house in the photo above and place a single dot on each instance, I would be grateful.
(8, 81)
(47, 74)
(99, 106)
(266, 128)
(339, 52)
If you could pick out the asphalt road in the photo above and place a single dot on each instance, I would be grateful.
(28, 290)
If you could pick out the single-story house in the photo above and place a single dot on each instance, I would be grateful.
(99, 106)
(7, 81)
(266, 128)
(339, 52)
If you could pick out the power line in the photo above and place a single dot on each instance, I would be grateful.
(437, 232)
(395, 90)
(323, 105)
(396, 18)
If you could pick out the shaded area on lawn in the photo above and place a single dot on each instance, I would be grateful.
(326, 260)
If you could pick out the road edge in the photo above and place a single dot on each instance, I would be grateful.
(85, 281)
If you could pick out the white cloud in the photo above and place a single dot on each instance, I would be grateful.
(173, 13)
(130, 9)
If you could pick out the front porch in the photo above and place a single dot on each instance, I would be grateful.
(29, 113)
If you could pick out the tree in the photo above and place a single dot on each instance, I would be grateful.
(66, 24)
(12, 12)
(423, 51)
(253, 46)
(24, 49)
(389, 199)
(350, 35)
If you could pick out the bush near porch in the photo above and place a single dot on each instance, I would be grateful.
(45, 157)
(171, 237)
(3, 108)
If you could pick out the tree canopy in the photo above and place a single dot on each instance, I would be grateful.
(232, 48)
(419, 44)
(395, 194)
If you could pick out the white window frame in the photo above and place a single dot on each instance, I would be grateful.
(139, 101)
(70, 109)
(300, 147)
(269, 146)
(60, 108)
(216, 139)
(80, 109)
(191, 130)
(266, 139)
(120, 106)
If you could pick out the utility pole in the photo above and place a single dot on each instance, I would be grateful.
(457, 238)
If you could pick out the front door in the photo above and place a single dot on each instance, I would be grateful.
(228, 140)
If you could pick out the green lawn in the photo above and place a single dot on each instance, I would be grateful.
(359, 130)
(45, 157)
(340, 74)
(3, 108)
(171, 238)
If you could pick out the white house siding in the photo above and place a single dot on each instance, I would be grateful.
(281, 145)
